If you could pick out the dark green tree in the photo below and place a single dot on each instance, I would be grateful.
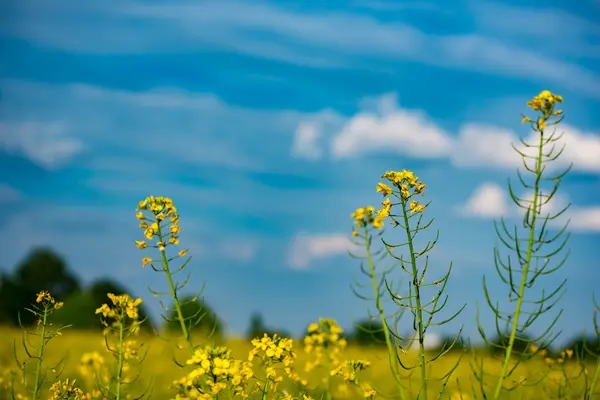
(520, 345)
(199, 316)
(585, 347)
(368, 333)
(257, 328)
(447, 341)
(41, 269)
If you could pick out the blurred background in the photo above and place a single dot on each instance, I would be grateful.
(268, 123)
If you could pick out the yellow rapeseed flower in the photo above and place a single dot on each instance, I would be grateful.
(66, 390)
(384, 189)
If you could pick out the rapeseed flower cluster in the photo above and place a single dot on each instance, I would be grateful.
(216, 371)
(367, 216)
(273, 352)
(67, 390)
(408, 185)
(45, 298)
(290, 397)
(350, 370)
(566, 354)
(545, 103)
(92, 371)
(122, 305)
(325, 342)
(163, 223)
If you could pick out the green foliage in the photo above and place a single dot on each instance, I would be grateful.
(368, 333)
(585, 347)
(257, 328)
(500, 343)
(451, 343)
(41, 269)
(198, 315)
(80, 308)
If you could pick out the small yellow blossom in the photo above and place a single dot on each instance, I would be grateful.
(384, 189)
(66, 390)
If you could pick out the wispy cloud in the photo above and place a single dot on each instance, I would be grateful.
(539, 26)
(239, 249)
(487, 201)
(9, 194)
(585, 219)
(331, 40)
(306, 141)
(490, 201)
(92, 118)
(306, 248)
(48, 144)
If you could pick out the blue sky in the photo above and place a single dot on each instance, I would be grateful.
(268, 123)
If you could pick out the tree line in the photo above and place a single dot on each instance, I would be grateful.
(44, 269)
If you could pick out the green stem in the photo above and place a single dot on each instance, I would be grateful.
(594, 382)
(165, 263)
(328, 377)
(417, 286)
(37, 385)
(120, 356)
(517, 314)
(392, 354)
(265, 388)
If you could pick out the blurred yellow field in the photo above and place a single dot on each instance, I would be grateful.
(160, 371)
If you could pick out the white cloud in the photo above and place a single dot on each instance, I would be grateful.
(431, 341)
(306, 141)
(585, 219)
(556, 204)
(9, 194)
(490, 201)
(391, 128)
(46, 144)
(239, 249)
(489, 145)
(412, 133)
(484, 145)
(487, 201)
(583, 149)
(306, 248)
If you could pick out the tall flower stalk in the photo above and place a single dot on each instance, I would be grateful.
(531, 262)
(591, 388)
(403, 187)
(121, 320)
(368, 224)
(160, 221)
(43, 307)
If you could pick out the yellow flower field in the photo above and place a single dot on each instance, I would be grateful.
(159, 369)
